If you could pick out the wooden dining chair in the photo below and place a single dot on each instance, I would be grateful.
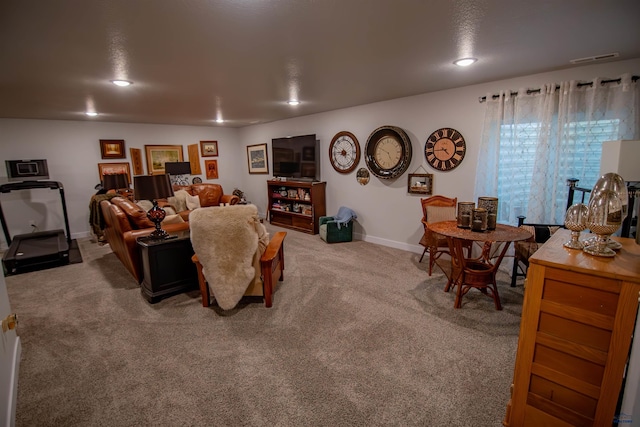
(479, 273)
(434, 209)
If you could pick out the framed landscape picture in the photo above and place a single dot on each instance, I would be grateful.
(209, 148)
(112, 149)
(112, 169)
(158, 155)
(257, 158)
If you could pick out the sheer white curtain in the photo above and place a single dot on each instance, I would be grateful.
(533, 142)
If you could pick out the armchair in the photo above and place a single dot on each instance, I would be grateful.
(234, 256)
(338, 228)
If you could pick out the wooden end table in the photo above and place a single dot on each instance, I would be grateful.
(166, 266)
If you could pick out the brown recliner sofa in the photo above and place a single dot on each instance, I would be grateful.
(208, 194)
(125, 221)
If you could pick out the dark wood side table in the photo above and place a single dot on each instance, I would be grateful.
(167, 267)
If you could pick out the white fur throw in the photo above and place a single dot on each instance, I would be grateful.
(225, 240)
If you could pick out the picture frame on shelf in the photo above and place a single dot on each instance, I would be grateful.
(136, 161)
(257, 159)
(420, 183)
(211, 166)
(114, 168)
(209, 148)
(158, 155)
(112, 149)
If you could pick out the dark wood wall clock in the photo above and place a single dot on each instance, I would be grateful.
(445, 149)
(344, 152)
(388, 152)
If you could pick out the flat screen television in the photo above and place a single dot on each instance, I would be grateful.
(296, 157)
(27, 170)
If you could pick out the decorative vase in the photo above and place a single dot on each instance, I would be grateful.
(576, 221)
(479, 220)
(491, 205)
(465, 209)
(604, 219)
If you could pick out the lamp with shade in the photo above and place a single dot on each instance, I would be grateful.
(154, 187)
(178, 172)
(116, 181)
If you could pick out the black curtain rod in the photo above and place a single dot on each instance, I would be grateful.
(530, 91)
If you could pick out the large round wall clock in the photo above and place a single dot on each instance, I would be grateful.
(445, 149)
(344, 152)
(388, 152)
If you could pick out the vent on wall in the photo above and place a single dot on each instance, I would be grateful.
(595, 58)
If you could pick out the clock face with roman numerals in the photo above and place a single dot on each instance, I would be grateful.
(445, 149)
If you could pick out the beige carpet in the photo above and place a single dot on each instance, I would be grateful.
(358, 335)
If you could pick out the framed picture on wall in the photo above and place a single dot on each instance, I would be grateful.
(112, 149)
(420, 183)
(257, 158)
(209, 148)
(136, 160)
(112, 169)
(158, 155)
(211, 166)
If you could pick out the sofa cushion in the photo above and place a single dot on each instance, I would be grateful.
(137, 216)
(173, 219)
(179, 200)
(193, 202)
(209, 194)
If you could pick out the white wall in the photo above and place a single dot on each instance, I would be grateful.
(72, 151)
(387, 214)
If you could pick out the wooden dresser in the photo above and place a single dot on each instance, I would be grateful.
(577, 322)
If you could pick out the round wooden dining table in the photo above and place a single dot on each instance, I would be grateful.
(479, 272)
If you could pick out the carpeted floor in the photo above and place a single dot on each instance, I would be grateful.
(358, 335)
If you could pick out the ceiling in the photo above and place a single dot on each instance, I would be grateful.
(193, 61)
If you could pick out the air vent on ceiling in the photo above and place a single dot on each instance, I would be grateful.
(595, 58)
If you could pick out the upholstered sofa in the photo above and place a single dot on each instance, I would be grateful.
(125, 221)
(183, 201)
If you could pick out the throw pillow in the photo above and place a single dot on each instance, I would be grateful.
(145, 204)
(172, 219)
(441, 213)
(193, 202)
(178, 200)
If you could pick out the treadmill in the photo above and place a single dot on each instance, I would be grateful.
(39, 250)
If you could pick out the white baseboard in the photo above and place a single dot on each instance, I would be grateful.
(390, 243)
(9, 418)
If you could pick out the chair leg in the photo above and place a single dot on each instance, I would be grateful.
(202, 282)
(514, 272)
(423, 252)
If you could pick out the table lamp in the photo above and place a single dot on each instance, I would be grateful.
(177, 171)
(153, 187)
(116, 182)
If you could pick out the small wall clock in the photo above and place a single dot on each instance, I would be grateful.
(344, 152)
(388, 152)
(445, 149)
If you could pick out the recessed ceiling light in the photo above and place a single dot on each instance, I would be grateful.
(293, 102)
(91, 113)
(464, 62)
(121, 83)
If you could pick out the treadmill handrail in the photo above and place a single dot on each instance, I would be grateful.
(28, 185)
